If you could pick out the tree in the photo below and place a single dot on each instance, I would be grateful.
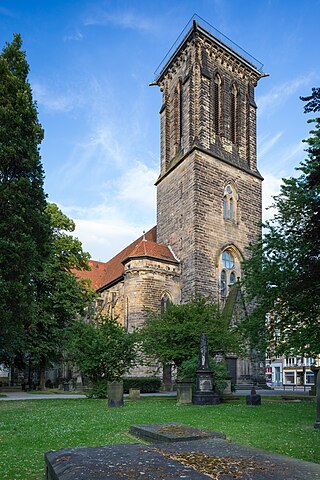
(24, 224)
(103, 350)
(173, 336)
(61, 298)
(283, 273)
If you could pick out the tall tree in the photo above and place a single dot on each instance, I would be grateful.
(61, 298)
(24, 225)
(283, 273)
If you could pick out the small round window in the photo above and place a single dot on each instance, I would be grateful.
(227, 260)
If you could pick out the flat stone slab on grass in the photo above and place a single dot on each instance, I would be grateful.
(215, 458)
(172, 432)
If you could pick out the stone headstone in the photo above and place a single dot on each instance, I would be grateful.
(253, 398)
(184, 392)
(134, 393)
(115, 394)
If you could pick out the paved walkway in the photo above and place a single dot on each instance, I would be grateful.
(40, 396)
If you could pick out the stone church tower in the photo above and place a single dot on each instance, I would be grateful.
(209, 188)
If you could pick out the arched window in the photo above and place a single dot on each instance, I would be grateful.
(223, 283)
(217, 104)
(234, 114)
(227, 260)
(230, 269)
(230, 203)
(165, 300)
(231, 209)
(225, 207)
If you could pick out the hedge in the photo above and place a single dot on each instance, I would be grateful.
(145, 384)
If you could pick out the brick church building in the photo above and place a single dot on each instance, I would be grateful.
(208, 190)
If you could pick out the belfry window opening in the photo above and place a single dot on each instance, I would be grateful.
(229, 204)
(234, 114)
(217, 104)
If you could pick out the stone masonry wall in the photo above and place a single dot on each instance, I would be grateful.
(194, 69)
(190, 218)
(145, 282)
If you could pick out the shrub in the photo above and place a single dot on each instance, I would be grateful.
(145, 384)
(99, 389)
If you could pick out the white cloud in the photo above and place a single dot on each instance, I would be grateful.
(280, 93)
(124, 19)
(77, 36)
(6, 12)
(270, 188)
(54, 101)
(127, 208)
(266, 143)
(137, 185)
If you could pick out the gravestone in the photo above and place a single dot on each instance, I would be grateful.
(134, 393)
(204, 394)
(253, 398)
(189, 460)
(115, 394)
(184, 392)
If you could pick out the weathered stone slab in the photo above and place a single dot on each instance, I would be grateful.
(215, 458)
(172, 432)
(115, 462)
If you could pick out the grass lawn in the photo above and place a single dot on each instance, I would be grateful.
(31, 427)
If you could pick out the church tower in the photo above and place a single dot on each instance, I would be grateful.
(209, 188)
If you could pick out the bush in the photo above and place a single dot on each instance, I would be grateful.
(99, 389)
(145, 384)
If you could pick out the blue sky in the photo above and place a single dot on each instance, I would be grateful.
(90, 66)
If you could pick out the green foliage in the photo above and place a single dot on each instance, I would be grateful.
(99, 390)
(174, 335)
(189, 367)
(282, 274)
(60, 298)
(24, 224)
(104, 350)
(145, 384)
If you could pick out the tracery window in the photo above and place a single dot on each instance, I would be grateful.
(230, 270)
(165, 300)
(230, 203)
(223, 284)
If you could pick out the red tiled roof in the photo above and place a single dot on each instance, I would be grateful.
(102, 274)
(96, 274)
(146, 248)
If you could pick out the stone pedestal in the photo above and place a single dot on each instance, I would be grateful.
(115, 394)
(204, 394)
(134, 393)
(253, 399)
(184, 392)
